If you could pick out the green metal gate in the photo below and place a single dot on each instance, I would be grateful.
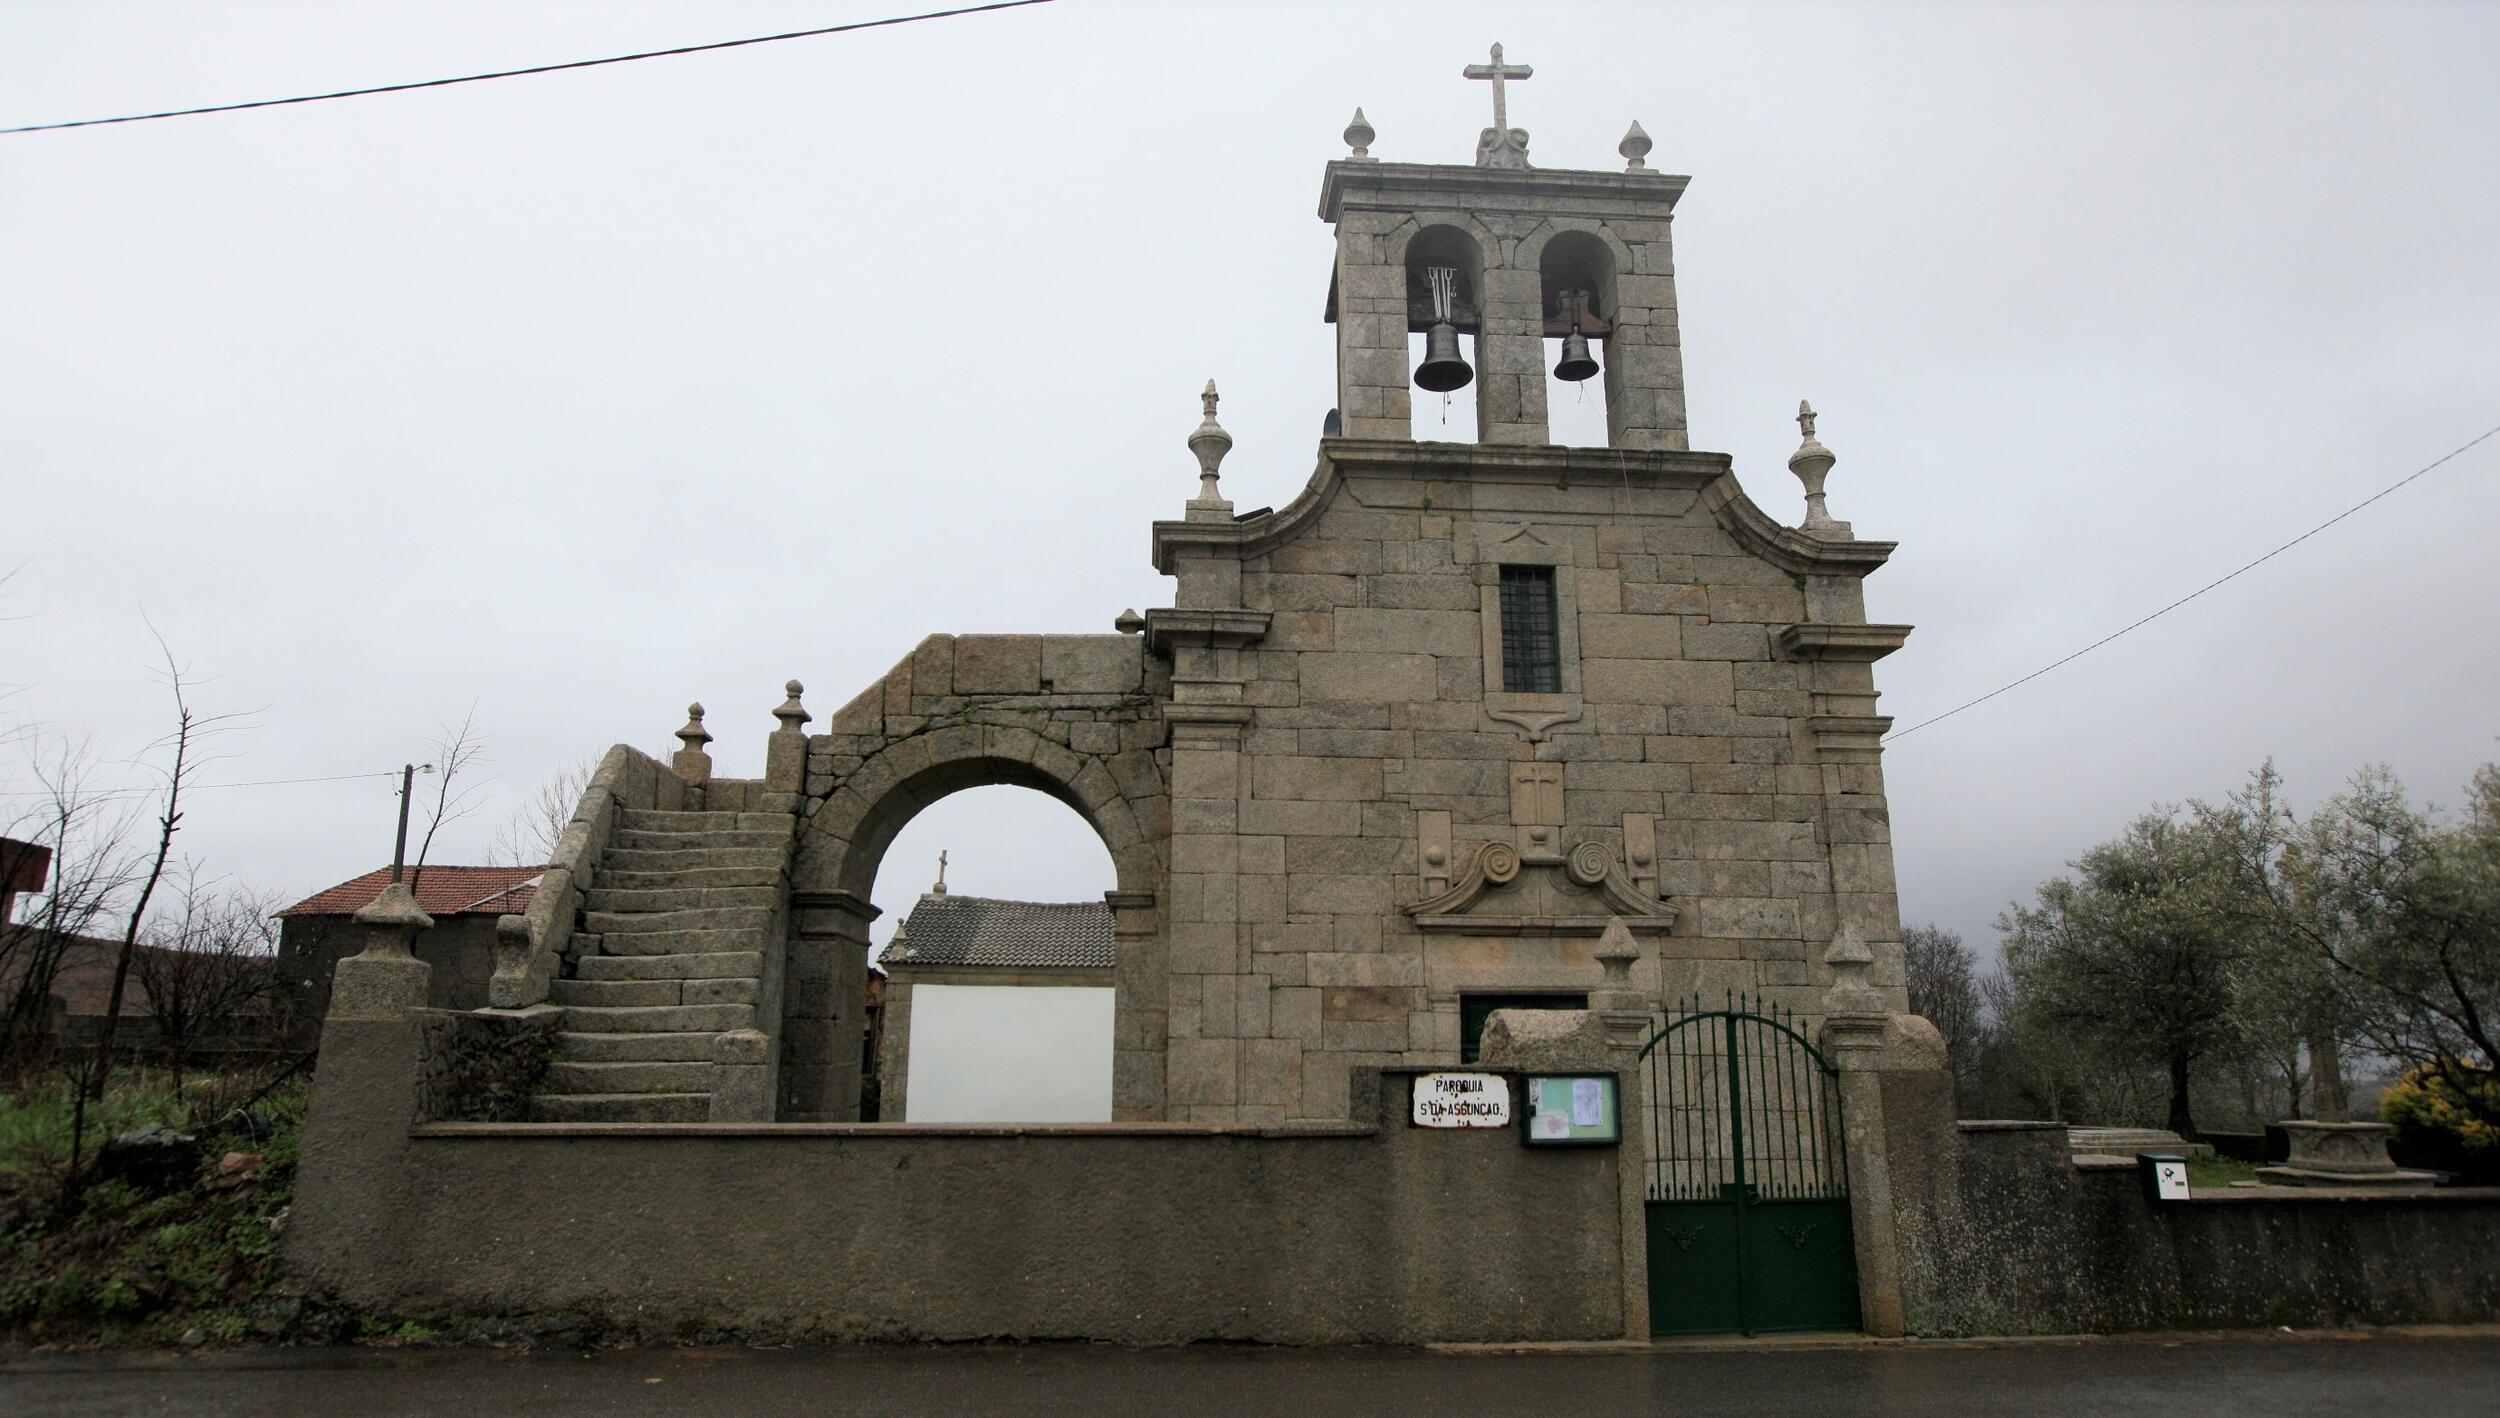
(1748, 1188)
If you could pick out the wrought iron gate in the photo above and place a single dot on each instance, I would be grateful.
(1748, 1187)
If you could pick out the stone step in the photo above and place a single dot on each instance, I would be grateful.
(635, 1048)
(634, 838)
(610, 925)
(645, 945)
(678, 898)
(616, 993)
(656, 820)
(642, 859)
(719, 991)
(637, 1077)
(660, 1019)
(621, 1108)
(717, 965)
(653, 994)
(691, 876)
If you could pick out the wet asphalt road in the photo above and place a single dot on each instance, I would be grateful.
(2342, 1375)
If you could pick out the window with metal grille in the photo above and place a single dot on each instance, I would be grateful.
(1531, 658)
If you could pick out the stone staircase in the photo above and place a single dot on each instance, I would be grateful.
(2127, 1142)
(675, 946)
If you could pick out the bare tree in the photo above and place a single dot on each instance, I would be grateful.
(1943, 981)
(529, 836)
(211, 968)
(80, 839)
(183, 748)
(461, 748)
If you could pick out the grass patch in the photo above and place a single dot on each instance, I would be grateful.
(87, 1259)
(2219, 1171)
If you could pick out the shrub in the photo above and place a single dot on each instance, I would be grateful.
(2435, 1128)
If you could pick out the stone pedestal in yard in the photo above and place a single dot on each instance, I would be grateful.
(2341, 1155)
(365, 1097)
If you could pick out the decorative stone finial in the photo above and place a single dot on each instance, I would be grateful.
(1358, 136)
(1635, 148)
(392, 919)
(386, 980)
(694, 736)
(1852, 962)
(690, 762)
(792, 713)
(1128, 622)
(1501, 145)
(1810, 462)
(1210, 443)
(939, 888)
(1622, 1007)
(1617, 953)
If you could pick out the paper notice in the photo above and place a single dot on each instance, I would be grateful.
(1553, 1125)
(1588, 1102)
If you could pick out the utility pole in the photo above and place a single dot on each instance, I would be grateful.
(399, 850)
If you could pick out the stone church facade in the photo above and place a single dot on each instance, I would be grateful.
(1419, 735)
(1465, 726)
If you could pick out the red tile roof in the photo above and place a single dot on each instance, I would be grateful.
(441, 891)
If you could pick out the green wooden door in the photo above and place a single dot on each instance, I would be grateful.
(1748, 1190)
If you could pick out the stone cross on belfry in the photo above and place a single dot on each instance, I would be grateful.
(1501, 145)
(940, 888)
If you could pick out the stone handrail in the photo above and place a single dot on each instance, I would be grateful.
(530, 946)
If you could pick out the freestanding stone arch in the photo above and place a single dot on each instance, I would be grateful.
(1072, 716)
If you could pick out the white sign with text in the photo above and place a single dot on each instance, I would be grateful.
(1462, 1100)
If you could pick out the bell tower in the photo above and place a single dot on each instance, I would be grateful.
(1533, 268)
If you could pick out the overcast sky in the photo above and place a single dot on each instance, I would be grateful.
(580, 396)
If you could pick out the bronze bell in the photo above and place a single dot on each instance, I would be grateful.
(1577, 363)
(1442, 369)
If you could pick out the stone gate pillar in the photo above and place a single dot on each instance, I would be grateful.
(1139, 1009)
(1896, 1103)
(824, 999)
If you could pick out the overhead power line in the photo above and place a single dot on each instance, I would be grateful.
(202, 787)
(2192, 595)
(522, 73)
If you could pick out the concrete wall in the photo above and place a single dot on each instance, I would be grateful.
(2010, 1237)
(1325, 1233)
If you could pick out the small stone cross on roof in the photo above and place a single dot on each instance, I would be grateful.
(1501, 145)
(1497, 71)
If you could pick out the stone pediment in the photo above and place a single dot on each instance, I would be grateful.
(1501, 892)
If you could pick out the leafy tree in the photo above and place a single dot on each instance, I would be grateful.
(2287, 995)
(2134, 954)
(2387, 917)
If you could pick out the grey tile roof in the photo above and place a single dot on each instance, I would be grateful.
(975, 930)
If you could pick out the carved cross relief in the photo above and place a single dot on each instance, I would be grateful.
(1536, 808)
